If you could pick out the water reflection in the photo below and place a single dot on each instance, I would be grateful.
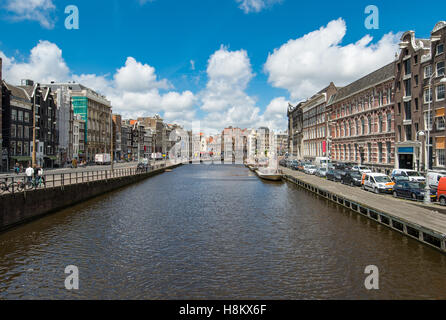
(213, 232)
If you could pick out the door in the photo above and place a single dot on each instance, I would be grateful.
(405, 161)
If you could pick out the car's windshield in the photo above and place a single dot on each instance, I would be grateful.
(355, 175)
(382, 179)
(415, 185)
(311, 167)
(323, 169)
(413, 174)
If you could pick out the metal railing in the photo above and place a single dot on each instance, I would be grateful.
(16, 184)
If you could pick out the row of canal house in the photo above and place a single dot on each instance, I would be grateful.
(19, 103)
(380, 120)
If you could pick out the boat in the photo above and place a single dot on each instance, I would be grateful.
(269, 174)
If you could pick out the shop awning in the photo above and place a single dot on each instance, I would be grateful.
(440, 143)
(21, 158)
(439, 112)
(51, 157)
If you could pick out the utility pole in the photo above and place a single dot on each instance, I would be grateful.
(34, 126)
(111, 139)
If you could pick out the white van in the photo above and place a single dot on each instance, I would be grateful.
(411, 174)
(434, 177)
(377, 182)
(322, 161)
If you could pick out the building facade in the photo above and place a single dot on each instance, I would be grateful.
(295, 130)
(315, 124)
(17, 124)
(420, 101)
(362, 121)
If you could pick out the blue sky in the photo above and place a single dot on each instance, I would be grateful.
(166, 35)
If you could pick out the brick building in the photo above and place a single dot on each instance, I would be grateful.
(419, 62)
(295, 124)
(315, 124)
(362, 121)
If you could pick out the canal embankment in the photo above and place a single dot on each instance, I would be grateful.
(21, 207)
(425, 224)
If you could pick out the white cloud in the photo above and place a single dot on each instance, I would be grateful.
(133, 89)
(225, 98)
(45, 63)
(229, 73)
(192, 65)
(35, 10)
(305, 65)
(249, 6)
(136, 77)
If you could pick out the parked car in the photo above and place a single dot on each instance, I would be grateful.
(282, 163)
(294, 164)
(352, 178)
(441, 191)
(361, 169)
(399, 177)
(302, 165)
(434, 177)
(412, 189)
(411, 174)
(321, 172)
(377, 182)
(334, 175)
(310, 169)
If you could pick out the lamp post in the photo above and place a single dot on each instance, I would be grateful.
(427, 190)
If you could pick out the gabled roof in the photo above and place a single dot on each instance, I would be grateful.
(374, 78)
(18, 92)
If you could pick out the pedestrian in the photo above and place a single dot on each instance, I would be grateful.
(40, 175)
(29, 173)
(16, 168)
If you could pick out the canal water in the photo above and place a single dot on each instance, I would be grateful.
(214, 232)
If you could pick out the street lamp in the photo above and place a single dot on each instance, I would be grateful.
(427, 190)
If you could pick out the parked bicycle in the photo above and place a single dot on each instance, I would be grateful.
(14, 186)
(34, 183)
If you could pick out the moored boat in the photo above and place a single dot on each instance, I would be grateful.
(269, 174)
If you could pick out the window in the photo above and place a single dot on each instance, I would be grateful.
(26, 148)
(389, 122)
(407, 87)
(440, 69)
(369, 153)
(441, 157)
(416, 80)
(427, 71)
(415, 59)
(357, 127)
(19, 148)
(428, 127)
(380, 123)
(13, 148)
(380, 152)
(416, 104)
(440, 48)
(407, 111)
(14, 115)
(20, 116)
(370, 124)
(13, 130)
(389, 152)
(26, 116)
(440, 92)
(19, 131)
(408, 130)
(427, 96)
(363, 126)
(400, 134)
(407, 67)
(440, 123)
(399, 107)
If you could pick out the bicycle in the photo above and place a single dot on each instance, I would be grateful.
(13, 186)
(34, 183)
